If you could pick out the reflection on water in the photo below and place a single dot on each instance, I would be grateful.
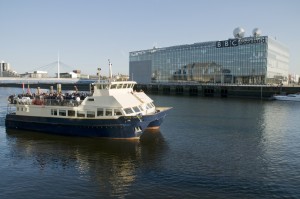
(244, 148)
(208, 148)
(110, 162)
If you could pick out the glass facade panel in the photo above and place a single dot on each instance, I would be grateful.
(250, 60)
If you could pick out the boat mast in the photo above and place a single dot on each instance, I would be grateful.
(99, 70)
(110, 71)
(58, 76)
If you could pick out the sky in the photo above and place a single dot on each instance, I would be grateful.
(86, 33)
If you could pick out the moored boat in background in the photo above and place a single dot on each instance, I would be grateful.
(289, 97)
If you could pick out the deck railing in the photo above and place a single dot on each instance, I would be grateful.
(46, 102)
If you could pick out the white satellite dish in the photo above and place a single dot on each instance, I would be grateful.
(256, 32)
(238, 33)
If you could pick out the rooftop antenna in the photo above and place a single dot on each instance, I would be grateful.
(110, 70)
(58, 76)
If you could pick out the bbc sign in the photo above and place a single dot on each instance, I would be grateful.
(237, 42)
(227, 43)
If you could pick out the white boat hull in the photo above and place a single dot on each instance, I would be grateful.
(290, 97)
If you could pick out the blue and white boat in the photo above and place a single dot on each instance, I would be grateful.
(112, 110)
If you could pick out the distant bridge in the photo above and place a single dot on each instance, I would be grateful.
(45, 83)
(52, 68)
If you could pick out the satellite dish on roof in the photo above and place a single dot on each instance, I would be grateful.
(256, 32)
(238, 32)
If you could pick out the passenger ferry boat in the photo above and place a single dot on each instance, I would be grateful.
(113, 110)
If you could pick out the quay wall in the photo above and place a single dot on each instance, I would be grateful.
(215, 90)
(205, 90)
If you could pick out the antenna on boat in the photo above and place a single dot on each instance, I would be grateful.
(58, 66)
(110, 70)
(99, 69)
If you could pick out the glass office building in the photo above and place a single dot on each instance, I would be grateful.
(248, 60)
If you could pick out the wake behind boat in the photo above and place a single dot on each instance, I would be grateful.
(113, 109)
(289, 97)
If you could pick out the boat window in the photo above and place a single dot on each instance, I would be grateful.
(129, 86)
(136, 109)
(124, 85)
(113, 86)
(108, 112)
(90, 114)
(80, 114)
(62, 112)
(99, 111)
(71, 113)
(91, 99)
(53, 112)
(101, 86)
(117, 112)
(18, 109)
(148, 106)
(141, 108)
(119, 86)
(128, 110)
(152, 104)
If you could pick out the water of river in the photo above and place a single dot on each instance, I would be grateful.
(206, 148)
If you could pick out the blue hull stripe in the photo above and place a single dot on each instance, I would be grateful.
(123, 127)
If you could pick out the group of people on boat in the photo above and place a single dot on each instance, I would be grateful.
(52, 98)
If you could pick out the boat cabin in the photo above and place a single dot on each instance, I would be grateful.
(108, 100)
